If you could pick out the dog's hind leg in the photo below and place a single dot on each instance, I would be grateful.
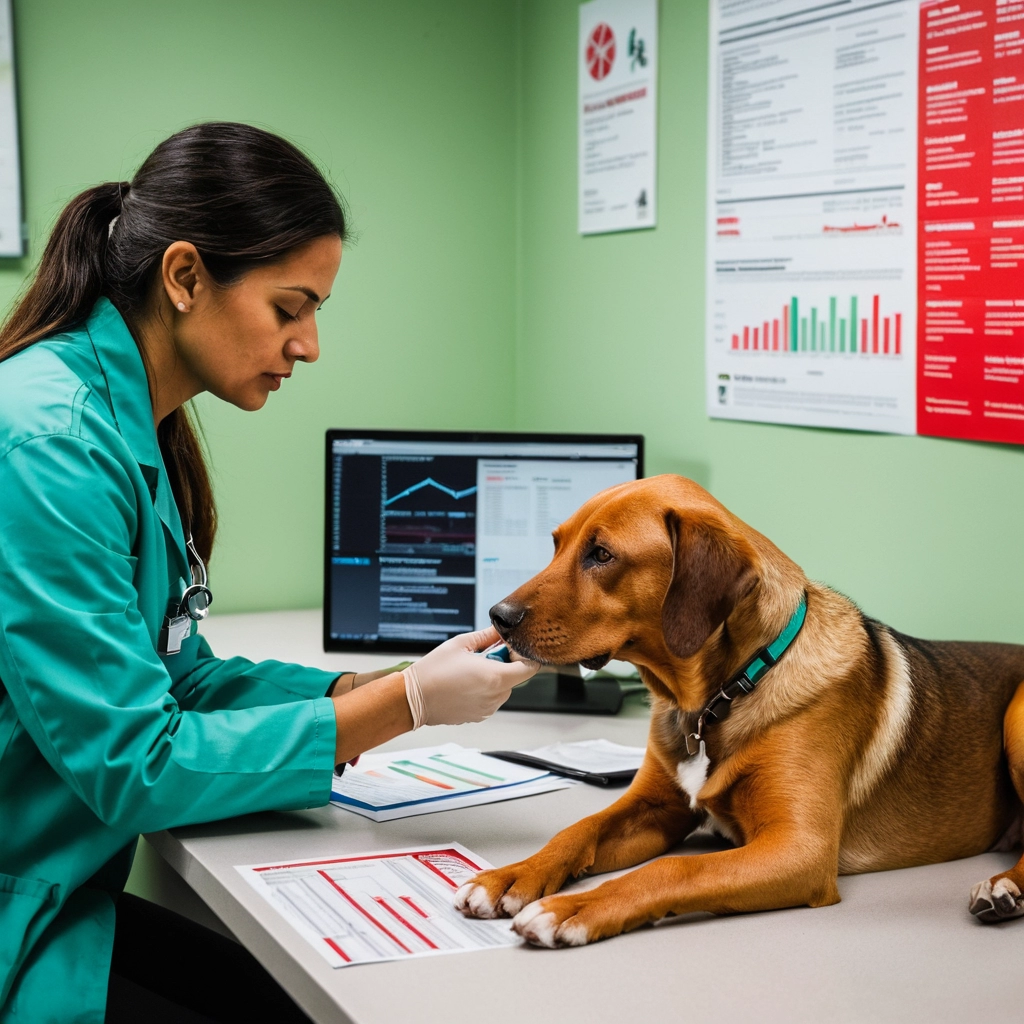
(1002, 896)
(648, 819)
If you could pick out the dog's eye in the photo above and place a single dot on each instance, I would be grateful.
(601, 555)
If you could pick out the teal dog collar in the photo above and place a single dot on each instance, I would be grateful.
(747, 678)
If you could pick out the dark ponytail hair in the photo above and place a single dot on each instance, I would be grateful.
(242, 196)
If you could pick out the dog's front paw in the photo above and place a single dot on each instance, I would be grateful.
(552, 923)
(501, 892)
(996, 901)
(474, 899)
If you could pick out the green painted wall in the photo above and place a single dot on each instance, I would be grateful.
(470, 301)
(923, 533)
(410, 107)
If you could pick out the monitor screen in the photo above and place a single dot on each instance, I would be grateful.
(426, 531)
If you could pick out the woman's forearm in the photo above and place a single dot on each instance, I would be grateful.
(348, 681)
(370, 715)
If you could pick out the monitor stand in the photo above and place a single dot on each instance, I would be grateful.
(566, 691)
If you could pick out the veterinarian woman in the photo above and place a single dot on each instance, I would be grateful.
(203, 273)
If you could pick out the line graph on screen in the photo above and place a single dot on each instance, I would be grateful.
(430, 482)
(426, 505)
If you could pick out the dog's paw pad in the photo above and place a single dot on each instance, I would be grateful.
(998, 902)
(474, 901)
(541, 927)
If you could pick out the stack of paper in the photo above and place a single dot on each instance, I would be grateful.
(379, 906)
(404, 783)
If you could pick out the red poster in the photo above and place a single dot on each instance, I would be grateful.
(970, 377)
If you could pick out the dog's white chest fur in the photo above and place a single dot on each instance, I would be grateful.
(692, 773)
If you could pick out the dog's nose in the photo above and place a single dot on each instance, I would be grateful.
(506, 615)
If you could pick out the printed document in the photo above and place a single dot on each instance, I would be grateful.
(400, 784)
(379, 906)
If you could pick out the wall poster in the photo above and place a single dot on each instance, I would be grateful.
(617, 70)
(866, 215)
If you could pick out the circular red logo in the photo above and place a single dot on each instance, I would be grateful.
(600, 51)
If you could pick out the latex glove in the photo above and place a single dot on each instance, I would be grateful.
(453, 684)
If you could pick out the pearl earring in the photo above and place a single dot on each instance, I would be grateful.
(182, 307)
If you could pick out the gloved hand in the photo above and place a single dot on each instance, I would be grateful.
(452, 684)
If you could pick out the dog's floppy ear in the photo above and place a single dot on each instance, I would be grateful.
(709, 576)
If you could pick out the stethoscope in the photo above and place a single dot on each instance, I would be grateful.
(192, 606)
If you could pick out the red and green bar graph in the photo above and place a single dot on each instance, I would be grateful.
(835, 329)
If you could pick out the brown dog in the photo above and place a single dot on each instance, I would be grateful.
(860, 750)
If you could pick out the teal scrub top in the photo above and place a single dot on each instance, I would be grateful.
(101, 738)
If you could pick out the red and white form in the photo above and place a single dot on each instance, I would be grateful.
(380, 906)
(971, 220)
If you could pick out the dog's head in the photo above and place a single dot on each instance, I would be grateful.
(641, 571)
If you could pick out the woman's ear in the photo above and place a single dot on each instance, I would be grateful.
(710, 574)
(181, 271)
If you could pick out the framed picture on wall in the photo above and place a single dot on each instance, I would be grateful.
(12, 235)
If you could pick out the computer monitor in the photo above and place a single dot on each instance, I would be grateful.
(425, 531)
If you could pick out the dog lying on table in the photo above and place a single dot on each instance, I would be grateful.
(818, 740)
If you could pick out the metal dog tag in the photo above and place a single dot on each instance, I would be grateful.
(174, 631)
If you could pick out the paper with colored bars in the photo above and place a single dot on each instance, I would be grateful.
(380, 906)
(400, 784)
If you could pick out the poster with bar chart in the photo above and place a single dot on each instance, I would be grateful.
(811, 287)
(799, 329)
(865, 225)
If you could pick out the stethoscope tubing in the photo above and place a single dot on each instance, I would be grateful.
(196, 600)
